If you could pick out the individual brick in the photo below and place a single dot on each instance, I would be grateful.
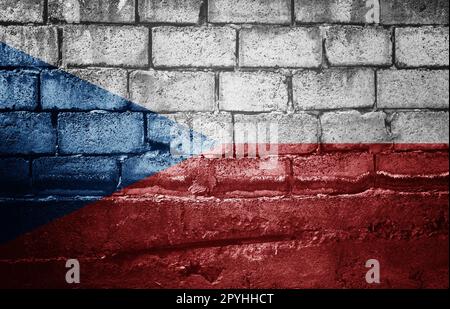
(252, 91)
(413, 89)
(18, 90)
(424, 46)
(28, 46)
(15, 176)
(334, 89)
(251, 177)
(193, 47)
(249, 11)
(106, 45)
(356, 46)
(400, 12)
(353, 130)
(417, 171)
(212, 134)
(288, 134)
(333, 173)
(280, 47)
(420, 130)
(84, 89)
(171, 11)
(27, 133)
(81, 175)
(169, 128)
(22, 11)
(114, 11)
(161, 91)
(334, 11)
(100, 133)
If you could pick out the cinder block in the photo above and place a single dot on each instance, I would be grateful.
(193, 47)
(280, 47)
(114, 11)
(252, 91)
(423, 46)
(106, 45)
(75, 175)
(22, 11)
(358, 46)
(162, 91)
(400, 12)
(84, 89)
(170, 11)
(413, 89)
(100, 133)
(27, 133)
(334, 89)
(18, 90)
(334, 11)
(28, 46)
(249, 11)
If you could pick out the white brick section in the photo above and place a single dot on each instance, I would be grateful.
(217, 131)
(194, 47)
(420, 127)
(172, 11)
(173, 91)
(423, 46)
(249, 11)
(334, 88)
(22, 11)
(332, 11)
(297, 131)
(354, 127)
(106, 45)
(280, 47)
(38, 41)
(252, 91)
(413, 89)
(355, 45)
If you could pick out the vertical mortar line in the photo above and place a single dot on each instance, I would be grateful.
(45, 12)
(150, 48)
(54, 116)
(119, 172)
(292, 12)
(233, 137)
(375, 80)
(216, 91)
(394, 63)
(237, 48)
(136, 11)
(290, 89)
(60, 38)
(319, 133)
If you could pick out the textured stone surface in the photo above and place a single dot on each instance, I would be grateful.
(334, 11)
(334, 89)
(252, 92)
(18, 90)
(402, 12)
(412, 89)
(117, 11)
(193, 47)
(425, 46)
(354, 45)
(84, 89)
(280, 47)
(249, 11)
(75, 175)
(39, 42)
(99, 133)
(172, 11)
(161, 91)
(22, 11)
(106, 45)
(26, 133)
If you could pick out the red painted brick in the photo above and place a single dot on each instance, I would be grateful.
(333, 173)
(413, 171)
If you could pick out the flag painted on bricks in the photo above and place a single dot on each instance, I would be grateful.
(202, 155)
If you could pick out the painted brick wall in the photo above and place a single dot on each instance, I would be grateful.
(358, 87)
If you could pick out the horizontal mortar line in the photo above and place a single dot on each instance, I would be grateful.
(258, 240)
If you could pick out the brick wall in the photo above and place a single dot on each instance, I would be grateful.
(359, 90)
